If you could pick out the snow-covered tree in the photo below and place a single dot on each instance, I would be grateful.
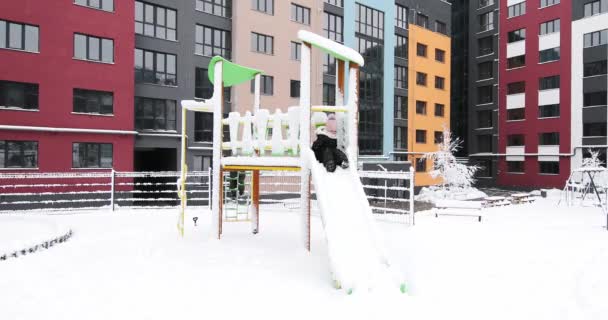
(593, 161)
(445, 166)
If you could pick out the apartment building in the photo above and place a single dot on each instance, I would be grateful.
(66, 88)
(174, 42)
(266, 35)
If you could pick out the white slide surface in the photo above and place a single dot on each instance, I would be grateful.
(356, 252)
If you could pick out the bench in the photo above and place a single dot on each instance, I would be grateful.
(496, 201)
(520, 198)
(459, 208)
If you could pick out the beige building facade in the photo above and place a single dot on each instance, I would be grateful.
(263, 32)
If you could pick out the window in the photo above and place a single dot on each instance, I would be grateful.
(439, 83)
(19, 36)
(439, 110)
(401, 47)
(18, 95)
(18, 154)
(332, 25)
(516, 10)
(155, 21)
(421, 107)
(155, 67)
(91, 155)
(594, 129)
(548, 83)
(265, 6)
(516, 114)
(92, 101)
(516, 62)
(337, 3)
(400, 107)
(400, 137)
(484, 143)
(106, 5)
(222, 8)
(296, 50)
(516, 35)
(485, 168)
(549, 27)
(401, 77)
(438, 135)
(154, 114)
(549, 55)
(594, 68)
(422, 20)
(300, 14)
(484, 119)
(485, 95)
(486, 45)
(401, 16)
(93, 48)
(421, 50)
(593, 99)
(548, 138)
(329, 94)
(486, 70)
(262, 43)
(594, 8)
(516, 87)
(420, 165)
(294, 89)
(203, 127)
(548, 111)
(439, 55)
(515, 166)
(548, 167)
(485, 3)
(516, 140)
(203, 88)
(211, 41)
(486, 21)
(596, 38)
(266, 85)
(441, 27)
(421, 78)
(420, 136)
(546, 3)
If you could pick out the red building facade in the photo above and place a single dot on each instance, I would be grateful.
(67, 85)
(534, 140)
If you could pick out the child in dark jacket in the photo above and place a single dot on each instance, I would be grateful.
(326, 146)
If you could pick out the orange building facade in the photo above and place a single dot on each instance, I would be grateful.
(428, 96)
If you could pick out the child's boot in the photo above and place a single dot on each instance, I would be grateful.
(328, 160)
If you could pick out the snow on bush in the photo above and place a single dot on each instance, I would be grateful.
(456, 178)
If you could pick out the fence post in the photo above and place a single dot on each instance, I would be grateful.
(209, 188)
(412, 174)
(113, 189)
(385, 194)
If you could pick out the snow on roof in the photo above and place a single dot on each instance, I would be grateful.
(338, 50)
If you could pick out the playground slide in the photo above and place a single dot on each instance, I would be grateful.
(356, 254)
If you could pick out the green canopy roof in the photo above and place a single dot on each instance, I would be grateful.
(233, 73)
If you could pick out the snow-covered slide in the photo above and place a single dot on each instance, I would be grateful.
(356, 254)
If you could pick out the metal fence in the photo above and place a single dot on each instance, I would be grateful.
(389, 193)
(91, 190)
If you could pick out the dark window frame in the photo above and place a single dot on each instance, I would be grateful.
(23, 37)
(28, 93)
(421, 107)
(89, 148)
(421, 78)
(150, 120)
(220, 8)
(88, 96)
(158, 23)
(549, 27)
(164, 78)
(266, 38)
(439, 110)
(549, 111)
(516, 166)
(256, 5)
(212, 47)
(439, 83)
(548, 167)
(294, 88)
(401, 16)
(516, 10)
(88, 57)
(203, 127)
(24, 160)
(90, 4)
(266, 85)
(549, 55)
(302, 14)
(420, 136)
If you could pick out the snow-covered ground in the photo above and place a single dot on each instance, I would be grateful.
(536, 261)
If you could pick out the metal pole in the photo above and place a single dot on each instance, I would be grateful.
(113, 188)
(412, 174)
